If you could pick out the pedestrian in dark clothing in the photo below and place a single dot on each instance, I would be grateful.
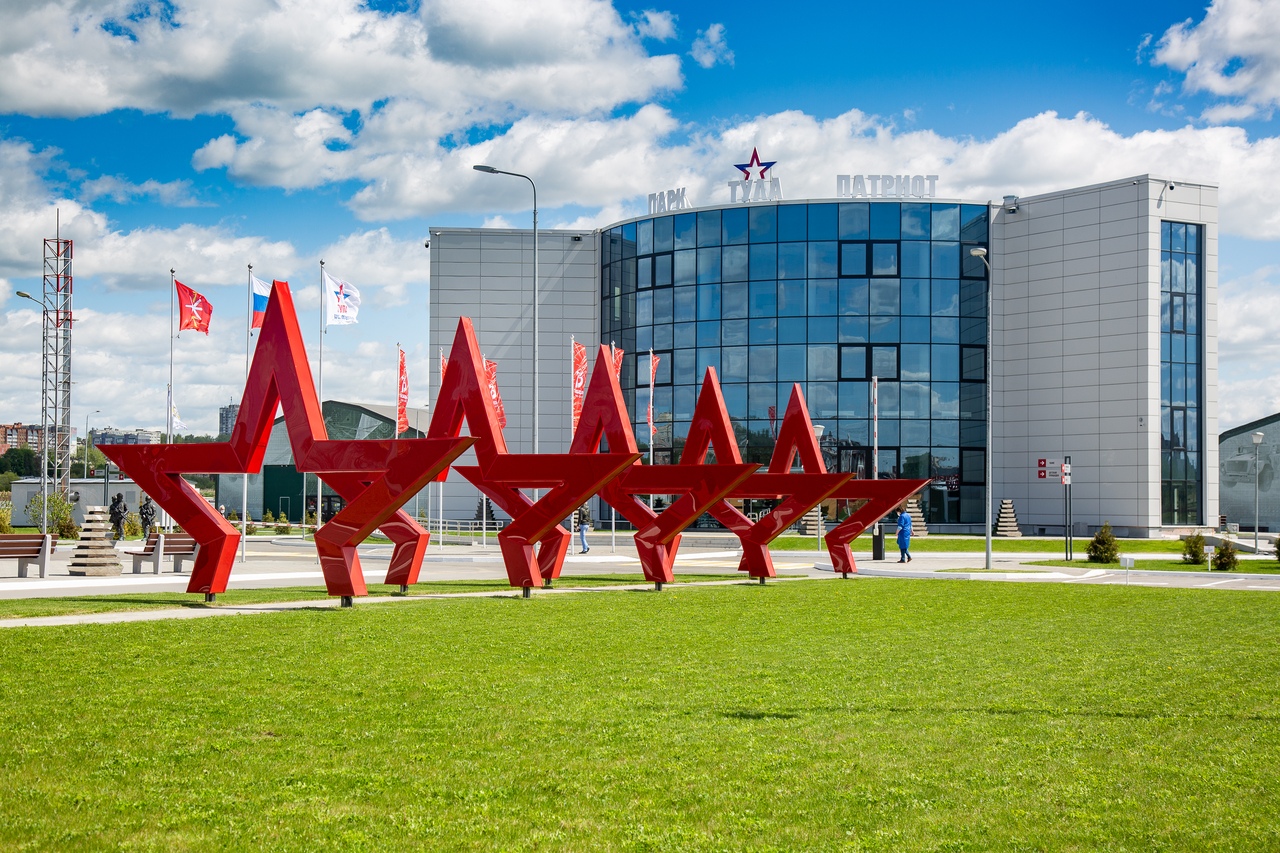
(584, 521)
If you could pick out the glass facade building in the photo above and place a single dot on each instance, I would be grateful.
(827, 295)
(1181, 321)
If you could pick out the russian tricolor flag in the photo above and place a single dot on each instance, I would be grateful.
(261, 292)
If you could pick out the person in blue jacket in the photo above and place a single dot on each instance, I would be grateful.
(904, 534)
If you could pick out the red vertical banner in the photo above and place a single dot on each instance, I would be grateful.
(444, 365)
(579, 380)
(617, 353)
(653, 374)
(491, 375)
(402, 398)
(773, 422)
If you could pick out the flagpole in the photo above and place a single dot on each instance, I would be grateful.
(650, 418)
(244, 485)
(169, 415)
(320, 396)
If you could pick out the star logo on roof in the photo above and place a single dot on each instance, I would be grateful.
(754, 163)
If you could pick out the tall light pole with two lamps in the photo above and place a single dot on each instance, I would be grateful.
(981, 254)
(492, 171)
(1257, 446)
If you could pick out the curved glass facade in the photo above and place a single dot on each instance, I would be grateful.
(826, 294)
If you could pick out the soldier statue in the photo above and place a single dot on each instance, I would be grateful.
(147, 514)
(119, 509)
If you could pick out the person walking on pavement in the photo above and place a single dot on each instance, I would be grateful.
(584, 521)
(117, 512)
(904, 534)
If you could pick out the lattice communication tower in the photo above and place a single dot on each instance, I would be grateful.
(55, 407)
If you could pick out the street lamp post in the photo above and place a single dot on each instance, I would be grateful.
(1257, 445)
(981, 254)
(492, 171)
(44, 454)
(84, 472)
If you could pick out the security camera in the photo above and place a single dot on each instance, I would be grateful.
(1171, 185)
(426, 245)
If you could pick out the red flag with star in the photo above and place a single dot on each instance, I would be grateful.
(194, 311)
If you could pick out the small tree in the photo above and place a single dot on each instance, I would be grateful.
(1193, 549)
(310, 520)
(250, 528)
(1225, 559)
(132, 526)
(231, 516)
(1103, 548)
(6, 519)
(283, 526)
(66, 528)
(59, 511)
(268, 517)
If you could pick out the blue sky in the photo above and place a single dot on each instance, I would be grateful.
(208, 134)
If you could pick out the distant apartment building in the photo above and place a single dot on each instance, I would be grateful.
(20, 435)
(129, 436)
(227, 418)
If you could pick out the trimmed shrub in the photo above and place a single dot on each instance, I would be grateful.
(1225, 559)
(6, 519)
(1193, 549)
(232, 517)
(268, 517)
(1103, 548)
(66, 528)
(283, 526)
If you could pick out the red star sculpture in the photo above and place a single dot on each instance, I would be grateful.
(879, 498)
(571, 478)
(377, 476)
(700, 486)
(800, 492)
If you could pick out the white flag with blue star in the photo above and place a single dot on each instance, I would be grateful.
(342, 302)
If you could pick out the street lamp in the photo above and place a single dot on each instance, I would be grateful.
(981, 254)
(1257, 444)
(44, 440)
(492, 171)
(84, 472)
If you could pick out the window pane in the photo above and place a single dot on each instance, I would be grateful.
(708, 266)
(792, 222)
(733, 364)
(686, 267)
(662, 234)
(686, 307)
(853, 362)
(791, 363)
(854, 297)
(708, 228)
(946, 260)
(791, 260)
(763, 365)
(885, 221)
(791, 330)
(973, 226)
(915, 296)
(855, 399)
(915, 221)
(764, 261)
(915, 259)
(733, 332)
(915, 330)
(733, 263)
(854, 221)
(733, 300)
(914, 361)
(884, 258)
(822, 260)
(764, 298)
(791, 298)
(662, 270)
(763, 331)
(822, 363)
(686, 228)
(884, 297)
(945, 363)
(822, 222)
(853, 259)
(734, 226)
(946, 222)
(763, 223)
(709, 302)
(946, 297)
(884, 362)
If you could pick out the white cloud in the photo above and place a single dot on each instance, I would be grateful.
(710, 48)
(1234, 53)
(121, 191)
(655, 25)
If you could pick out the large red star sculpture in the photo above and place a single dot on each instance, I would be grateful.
(657, 538)
(571, 478)
(800, 492)
(377, 477)
(878, 497)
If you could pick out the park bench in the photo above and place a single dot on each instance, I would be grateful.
(28, 548)
(158, 546)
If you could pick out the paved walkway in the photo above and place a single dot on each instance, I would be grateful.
(289, 561)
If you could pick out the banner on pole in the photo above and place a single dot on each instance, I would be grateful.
(491, 374)
(341, 301)
(579, 379)
(653, 374)
(194, 311)
(402, 398)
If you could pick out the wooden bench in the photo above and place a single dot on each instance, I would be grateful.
(28, 548)
(179, 546)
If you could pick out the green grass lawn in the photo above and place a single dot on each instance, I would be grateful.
(870, 715)
(1252, 567)
(11, 608)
